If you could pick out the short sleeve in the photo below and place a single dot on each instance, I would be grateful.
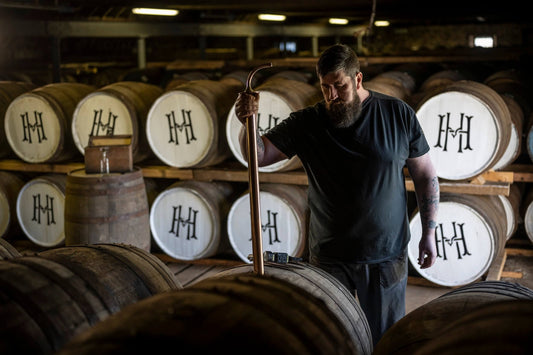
(418, 144)
(287, 135)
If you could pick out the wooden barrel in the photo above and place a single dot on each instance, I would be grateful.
(9, 90)
(468, 127)
(517, 95)
(471, 232)
(497, 328)
(185, 126)
(435, 81)
(508, 84)
(41, 209)
(10, 186)
(527, 213)
(427, 322)
(278, 98)
(511, 205)
(239, 313)
(188, 219)
(393, 83)
(514, 147)
(38, 123)
(117, 109)
(284, 217)
(328, 289)
(441, 79)
(7, 251)
(58, 293)
(106, 208)
(297, 75)
(180, 79)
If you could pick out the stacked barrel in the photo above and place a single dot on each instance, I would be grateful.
(471, 126)
(73, 283)
(56, 294)
(92, 219)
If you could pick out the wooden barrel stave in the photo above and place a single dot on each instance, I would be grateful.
(240, 312)
(56, 294)
(9, 90)
(106, 208)
(527, 213)
(496, 328)
(7, 251)
(325, 287)
(421, 325)
(10, 186)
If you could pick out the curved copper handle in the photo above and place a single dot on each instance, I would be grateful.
(252, 73)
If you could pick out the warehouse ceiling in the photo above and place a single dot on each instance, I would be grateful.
(359, 12)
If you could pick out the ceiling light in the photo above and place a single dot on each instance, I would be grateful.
(381, 23)
(271, 17)
(158, 12)
(338, 21)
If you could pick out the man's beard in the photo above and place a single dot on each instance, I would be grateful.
(341, 114)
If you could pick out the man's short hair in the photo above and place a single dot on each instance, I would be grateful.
(338, 57)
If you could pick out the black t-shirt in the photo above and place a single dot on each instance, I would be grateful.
(357, 196)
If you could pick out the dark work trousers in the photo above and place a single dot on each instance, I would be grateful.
(380, 289)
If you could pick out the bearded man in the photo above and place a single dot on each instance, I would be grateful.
(354, 146)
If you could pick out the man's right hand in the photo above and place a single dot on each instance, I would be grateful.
(246, 105)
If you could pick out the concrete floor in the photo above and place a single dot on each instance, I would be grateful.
(417, 295)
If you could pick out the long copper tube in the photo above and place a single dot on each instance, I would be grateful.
(253, 182)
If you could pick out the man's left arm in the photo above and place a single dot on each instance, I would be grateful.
(426, 184)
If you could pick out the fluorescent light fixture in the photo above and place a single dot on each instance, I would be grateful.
(338, 21)
(157, 12)
(271, 17)
(381, 23)
(484, 41)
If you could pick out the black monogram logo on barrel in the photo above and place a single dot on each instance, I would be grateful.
(185, 127)
(101, 128)
(46, 210)
(463, 133)
(187, 226)
(452, 241)
(271, 227)
(37, 127)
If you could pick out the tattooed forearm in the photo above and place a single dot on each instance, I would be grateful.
(428, 204)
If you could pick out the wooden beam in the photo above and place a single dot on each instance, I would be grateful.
(235, 172)
(166, 172)
(519, 252)
(495, 270)
(512, 274)
(17, 165)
